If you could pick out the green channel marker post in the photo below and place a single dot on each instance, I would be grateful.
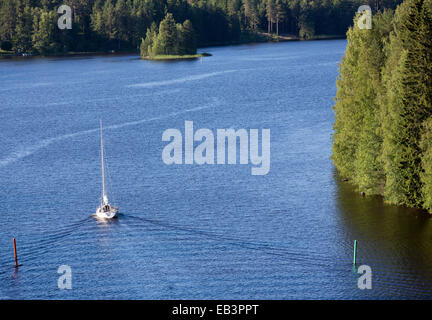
(355, 252)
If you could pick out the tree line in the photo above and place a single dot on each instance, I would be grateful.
(382, 138)
(31, 25)
(170, 38)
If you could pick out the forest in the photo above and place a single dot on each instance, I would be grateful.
(382, 139)
(170, 38)
(30, 26)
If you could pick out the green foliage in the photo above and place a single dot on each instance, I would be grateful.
(306, 22)
(307, 30)
(169, 39)
(147, 42)
(23, 28)
(187, 39)
(426, 175)
(408, 104)
(368, 167)
(121, 24)
(44, 24)
(383, 107)
(347, 116)
(167, 35)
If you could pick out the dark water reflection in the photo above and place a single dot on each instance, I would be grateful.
(395, 241)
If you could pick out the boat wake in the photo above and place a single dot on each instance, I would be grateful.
(24, 152)
(50, 239)
(116, 98)
(179, 80)
(390, 280)
(294, 254)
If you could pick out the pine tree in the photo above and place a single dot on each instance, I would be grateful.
(368, 166)
(109, 25)
(147, 42)
(187, 39)
(96, 18)
(391, 106)
(348, 116)
(121, 21)
(23, 26)
(167, 37)
(426, 175)
(279, 14)
(425, 39)
(270, 14)
(408, 104)
(250, 13)
(7, 19)
(44, 24)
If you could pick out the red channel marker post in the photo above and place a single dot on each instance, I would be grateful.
(15, 253)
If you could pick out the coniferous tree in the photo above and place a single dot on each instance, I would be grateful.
(147, 42)
(23, 26)
(121, 15)
(270, 14)
(187, 39)
(425, 39)
(426, 175)
(279, 14)
(383, 128)
(108, 24)
(167, 37)
(44, 25)
(368, 166)
(250, 13)
(391, 106)
(348, 116)
(7, 20)
(409, 105)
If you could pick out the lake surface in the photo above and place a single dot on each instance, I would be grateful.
(190, 231)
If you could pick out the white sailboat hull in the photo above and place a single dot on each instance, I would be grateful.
(107, 214)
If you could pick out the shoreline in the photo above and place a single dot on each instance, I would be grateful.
(69, 54)
(255, 38)
(172, 57)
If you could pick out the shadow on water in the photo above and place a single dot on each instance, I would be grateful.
(395, 241)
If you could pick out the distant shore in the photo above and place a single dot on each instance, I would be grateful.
(263, 37)
(162, 57)
(246, 38)
(10, 54)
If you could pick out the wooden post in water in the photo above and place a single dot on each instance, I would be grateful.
(355, 252)
(15, 253)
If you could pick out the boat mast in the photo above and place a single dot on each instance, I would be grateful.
(103, 165)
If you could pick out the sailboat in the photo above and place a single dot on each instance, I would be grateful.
(105, 209)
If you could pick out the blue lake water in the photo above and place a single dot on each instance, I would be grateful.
(190, 231)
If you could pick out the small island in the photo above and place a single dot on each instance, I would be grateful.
(170, 41)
